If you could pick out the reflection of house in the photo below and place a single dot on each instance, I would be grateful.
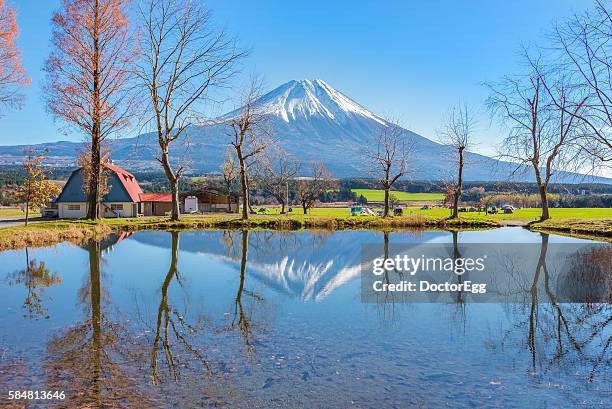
(125, 198)
(209, 200)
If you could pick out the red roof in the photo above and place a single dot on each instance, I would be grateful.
(155, 197)
(128, 181)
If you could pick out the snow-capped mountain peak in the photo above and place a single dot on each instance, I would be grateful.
(312, 98)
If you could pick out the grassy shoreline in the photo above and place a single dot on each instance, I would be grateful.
(51, 232)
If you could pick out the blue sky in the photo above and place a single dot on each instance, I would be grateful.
(408, 59)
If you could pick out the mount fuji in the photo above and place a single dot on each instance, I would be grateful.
(312, 122)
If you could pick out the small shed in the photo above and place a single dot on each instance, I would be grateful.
(210, 200)
(155, 204)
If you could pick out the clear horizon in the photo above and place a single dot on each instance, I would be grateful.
(409, 61)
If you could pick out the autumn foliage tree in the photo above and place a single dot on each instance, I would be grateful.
(89, 73)
(12, 74)
(36, 191)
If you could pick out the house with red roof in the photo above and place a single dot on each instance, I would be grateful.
(125, 198)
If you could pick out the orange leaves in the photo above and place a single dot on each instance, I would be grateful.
(91, 66)
(12, 74)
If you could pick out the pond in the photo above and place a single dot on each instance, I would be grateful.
(276, 319)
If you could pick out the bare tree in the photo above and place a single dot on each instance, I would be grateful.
(388, 160)
(89, 73)
(277, 171)
(230, 172)
(540, 133)
(249, 136)
(457, 134)
(184, 58)
(310, 189)
(586, 56)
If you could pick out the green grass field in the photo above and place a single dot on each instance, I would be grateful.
(525, 215)
(15, 213)
(375, 195)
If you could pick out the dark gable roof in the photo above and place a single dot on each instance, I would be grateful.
(123, 187)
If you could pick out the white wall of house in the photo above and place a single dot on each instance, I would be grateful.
(79, 210)
(118, 209)
(72, 210)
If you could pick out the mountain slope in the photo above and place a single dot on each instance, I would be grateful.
(313, 122)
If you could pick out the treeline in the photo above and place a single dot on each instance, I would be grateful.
(428, 186)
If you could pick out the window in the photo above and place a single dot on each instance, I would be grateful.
(74, 207)
(116, 206)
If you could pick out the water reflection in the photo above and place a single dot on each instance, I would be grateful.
(561, 334)
(259, 319)
(87, 360)
(175, 326)
(35, 277)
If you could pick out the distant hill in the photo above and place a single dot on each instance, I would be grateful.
(313, 122)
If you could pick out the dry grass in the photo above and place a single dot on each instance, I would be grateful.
(578, 227)
(44, 234)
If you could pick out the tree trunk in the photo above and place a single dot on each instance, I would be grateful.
(542, 189)
(175, 200)
(386, 211)
(458, 189)
(29, 193)
(244, 184)
(282, 203)
(544, 198)
(305, 207)
(173, 180)
(27, 211)
(93, 209)
(229, 202)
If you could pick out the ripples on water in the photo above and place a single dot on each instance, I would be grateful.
(191, 319)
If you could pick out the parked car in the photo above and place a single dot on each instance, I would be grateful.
(398, 211)
(425, 207)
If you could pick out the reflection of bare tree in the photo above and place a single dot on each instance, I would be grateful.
(82, 360)
(35, 277)
(459, 301)
(171, 323)
(243, 319)
(574, 331)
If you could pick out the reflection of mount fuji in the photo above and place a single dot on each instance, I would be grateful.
(309, 266)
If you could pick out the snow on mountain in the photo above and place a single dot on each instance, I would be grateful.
(306, 99)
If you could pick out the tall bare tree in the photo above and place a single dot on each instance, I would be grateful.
(89, 73)
(277, 171)
(250, 136)
(541, 134)
(310, 189)
(388, 159)
(586, 57)
(457, 133)
(230, 172)
(12, 75)
(184, 59)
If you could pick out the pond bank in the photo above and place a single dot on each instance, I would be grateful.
(51, 232)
